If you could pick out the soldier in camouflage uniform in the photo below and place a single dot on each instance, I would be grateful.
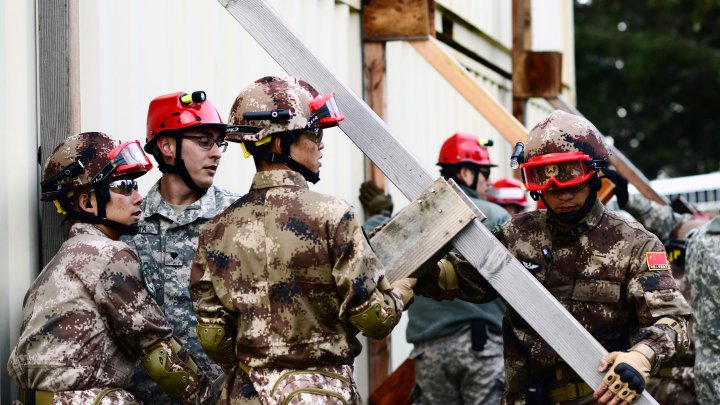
(703, 274)
(87, 318)
(610, 274)
(284, 279)
(186, 135)
(458, 344)
(675, 384)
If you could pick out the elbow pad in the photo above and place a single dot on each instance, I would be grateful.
(177, 376)
(218, 341)
(375, 317)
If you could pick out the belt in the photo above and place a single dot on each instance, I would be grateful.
(35, 397)
(665, 372)
(569, 392)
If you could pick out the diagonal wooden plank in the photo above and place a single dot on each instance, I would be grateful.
(519, 288)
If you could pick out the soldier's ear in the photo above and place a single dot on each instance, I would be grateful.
(85, 204)
(277, 145)
(166, 146)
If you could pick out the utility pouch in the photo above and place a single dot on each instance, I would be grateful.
(478, 334)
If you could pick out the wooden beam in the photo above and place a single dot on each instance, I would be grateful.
(508, 276)
(374, 69)
(459, 78)
(390, 20)
(520, 44)
(623, 165)
(58, 98)
(537, 74)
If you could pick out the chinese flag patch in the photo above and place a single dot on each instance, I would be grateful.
(657, 261)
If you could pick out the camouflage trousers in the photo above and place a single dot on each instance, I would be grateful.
(270, 386)
(678, 388)
(103, 396)
(449, 372)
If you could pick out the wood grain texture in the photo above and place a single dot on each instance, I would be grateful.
(420, 230)
(519, 288)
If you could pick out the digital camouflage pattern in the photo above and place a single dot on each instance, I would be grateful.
(166, 246)
(91, 149)
(599, 272)
(703, 274)
(267, 94)
(561, 132)
(447, 370)
(285, 267)
(86, 318)
(675, 384)
(656, 218)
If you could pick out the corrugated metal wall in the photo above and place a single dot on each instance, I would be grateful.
(133, 51)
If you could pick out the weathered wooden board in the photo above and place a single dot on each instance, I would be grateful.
(519, 288)
(420, 230)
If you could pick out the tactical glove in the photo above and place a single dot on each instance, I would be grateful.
(374, 200)
(628, 375)
(404, 289)
(621, 186)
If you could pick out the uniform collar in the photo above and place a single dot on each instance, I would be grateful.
(81, 228)
(205, 207)
(470, 192)
(277, 178)
(591, 220)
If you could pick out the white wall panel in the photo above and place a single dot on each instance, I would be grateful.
(494, 18)
(19, 243)
(133, 51)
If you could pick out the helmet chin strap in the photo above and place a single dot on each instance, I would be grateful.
(576, 216)
(103, 197)
(180, 168)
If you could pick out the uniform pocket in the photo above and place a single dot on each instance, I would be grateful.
(604, 291)
(313, 386)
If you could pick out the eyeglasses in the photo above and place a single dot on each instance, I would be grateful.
(485, 173)
(125, 187)
(206, 142)
(126, 158)
(314, 134)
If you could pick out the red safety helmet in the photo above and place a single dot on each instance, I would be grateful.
(178, 111)
(508, 191)
(465, 148)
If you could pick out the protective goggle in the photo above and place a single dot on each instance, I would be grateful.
(125, 187)
(325, 112)
(126, 158)
(558, 169)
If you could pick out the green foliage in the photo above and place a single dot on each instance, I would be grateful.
(648, 75)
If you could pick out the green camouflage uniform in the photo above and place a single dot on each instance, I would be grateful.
(703, 273)
(449, 368)
(166, 245)
(85, 320)
(284, 266)
(675, 384)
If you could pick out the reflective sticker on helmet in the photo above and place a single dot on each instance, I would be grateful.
(657, 261)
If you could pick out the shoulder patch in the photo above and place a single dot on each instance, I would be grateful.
(657, 261)
(144, 273)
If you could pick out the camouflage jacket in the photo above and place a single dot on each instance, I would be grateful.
(286, 265)
(166, 245)
(703, 273)
(86, 317)
(609, 273)
(600, 272)
(656, 218)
